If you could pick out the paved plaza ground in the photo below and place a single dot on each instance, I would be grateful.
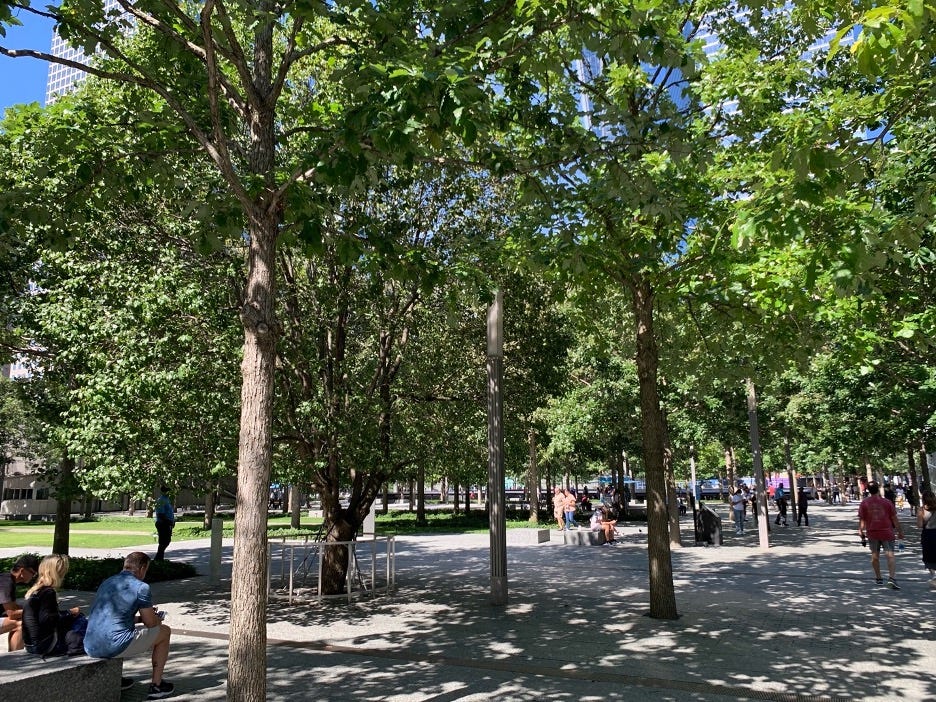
(803, 620)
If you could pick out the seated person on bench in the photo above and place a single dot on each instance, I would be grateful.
(601, 521)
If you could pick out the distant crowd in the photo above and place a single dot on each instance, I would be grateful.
(602, 516)
(879, 526)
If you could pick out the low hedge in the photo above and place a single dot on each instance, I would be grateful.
(89, 573)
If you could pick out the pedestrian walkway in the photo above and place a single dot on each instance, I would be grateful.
(801, 621)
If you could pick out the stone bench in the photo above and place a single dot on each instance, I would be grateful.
(583, 537)
(25, 676)
(527, 536)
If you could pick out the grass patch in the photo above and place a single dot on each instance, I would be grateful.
(43, 540)
(122, 531)
(89, 573)
(397, 523)
(140, 531)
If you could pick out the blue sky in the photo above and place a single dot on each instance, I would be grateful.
(24, 79)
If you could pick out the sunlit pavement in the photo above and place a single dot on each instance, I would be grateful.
(803, 620)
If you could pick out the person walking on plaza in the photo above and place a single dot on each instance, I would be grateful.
(559, 507)
(11, 614)
(802, 507)
(737, 508)
(912, 500)
(569, 504)
(890, 494)
(122, 602)
(877, 521)
(165, 521)
(780, 497)
(926, 520)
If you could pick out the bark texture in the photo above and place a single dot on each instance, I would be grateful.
(662, 592)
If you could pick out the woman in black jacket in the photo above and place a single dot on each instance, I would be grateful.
(47, 630)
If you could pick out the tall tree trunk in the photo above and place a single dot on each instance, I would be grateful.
(912, 472)
(456, 497)
(840, 478)
(335, 554)
(210, 499)
(533, 479)
(791, 473)
(248, 633)
(693, 492)
(421, 495)
(763, 525)
(662, 592)
(842, 483)
(295, 505)
(729, 470)
(927, 481)
(672, 503)
(63, 499)
(384, 419)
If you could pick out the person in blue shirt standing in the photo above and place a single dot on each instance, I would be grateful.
(165, 522)
(122, 602)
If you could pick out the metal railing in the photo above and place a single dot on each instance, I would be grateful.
(295, 568)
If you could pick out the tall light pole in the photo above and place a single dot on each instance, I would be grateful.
(495, 411)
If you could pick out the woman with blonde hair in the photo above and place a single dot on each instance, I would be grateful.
(47, 630)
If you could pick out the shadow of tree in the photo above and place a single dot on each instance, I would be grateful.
(800, 621)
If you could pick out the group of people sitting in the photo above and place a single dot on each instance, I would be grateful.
(123, 621)
(565, 504)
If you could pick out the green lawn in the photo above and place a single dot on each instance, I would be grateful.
(120, 531)
(43, 540)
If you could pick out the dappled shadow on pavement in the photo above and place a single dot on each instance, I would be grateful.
(801, 621)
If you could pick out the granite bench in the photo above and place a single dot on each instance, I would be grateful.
(583, 537)
(27, 676)
(527, 536)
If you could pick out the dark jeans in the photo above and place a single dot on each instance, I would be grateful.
(164, 529)
(802, 514)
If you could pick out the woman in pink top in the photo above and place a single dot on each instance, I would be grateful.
(559, 508)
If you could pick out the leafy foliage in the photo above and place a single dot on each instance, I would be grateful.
(89, 573)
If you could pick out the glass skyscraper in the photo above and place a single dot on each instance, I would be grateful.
(63, 78)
